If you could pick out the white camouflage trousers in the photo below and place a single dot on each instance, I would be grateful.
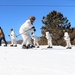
(68, 44)
(49, 42)
(26, 39)
(13, 42)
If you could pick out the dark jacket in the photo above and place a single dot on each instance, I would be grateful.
(1, 33)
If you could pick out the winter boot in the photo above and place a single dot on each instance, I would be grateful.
(37, 46)
(32, 46)
(15, 45)
(24, 47)
(49, 47)
(29, 46)
(69, 47)
(11, 45)
(5, 45)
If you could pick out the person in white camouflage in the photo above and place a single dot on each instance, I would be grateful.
(25, 31)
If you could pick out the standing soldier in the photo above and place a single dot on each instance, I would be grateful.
(2, 37)
(67, 39)
(35, 40)
(25, 30)
(49, 39)
(13, 38)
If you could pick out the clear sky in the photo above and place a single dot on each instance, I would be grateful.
(13, 13)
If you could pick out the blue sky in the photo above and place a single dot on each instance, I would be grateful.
(13, 13)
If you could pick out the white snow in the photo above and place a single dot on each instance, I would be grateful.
(41, 61)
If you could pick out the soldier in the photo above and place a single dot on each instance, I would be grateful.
(49, 39)
(13, 38)
(25, 30)
(35, 40)
(67, 39)
(2, 37)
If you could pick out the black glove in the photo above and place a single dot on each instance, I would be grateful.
(34, 30)
(33, 27)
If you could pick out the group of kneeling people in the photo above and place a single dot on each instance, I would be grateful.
(25, 31)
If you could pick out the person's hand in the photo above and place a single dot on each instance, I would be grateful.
(34, 30)
(33, 27)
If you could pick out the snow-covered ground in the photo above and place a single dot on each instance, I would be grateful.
(41, 61)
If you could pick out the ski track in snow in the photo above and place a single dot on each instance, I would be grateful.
(37, 61)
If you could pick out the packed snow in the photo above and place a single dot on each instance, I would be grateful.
(37, 61)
